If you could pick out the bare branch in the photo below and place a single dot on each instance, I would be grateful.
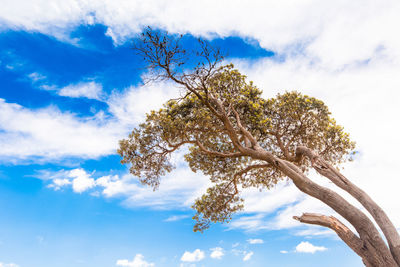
(353, 241)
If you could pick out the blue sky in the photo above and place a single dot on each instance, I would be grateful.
(71, 87)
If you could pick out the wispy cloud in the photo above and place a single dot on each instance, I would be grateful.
(255, 241)
(175, 218)
(35, 76)
(248, 255)
(8, 265)
(91, 90)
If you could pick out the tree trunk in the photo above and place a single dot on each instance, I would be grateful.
(375, 251)
(383, 221)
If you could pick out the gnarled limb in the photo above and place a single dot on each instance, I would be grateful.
(353, 241)
(370, 236)
(383, 221)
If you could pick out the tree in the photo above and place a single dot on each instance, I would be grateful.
(241, 140)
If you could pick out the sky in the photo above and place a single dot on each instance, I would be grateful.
(71, 87)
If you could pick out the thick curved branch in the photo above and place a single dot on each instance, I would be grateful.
(383, 221)
(364, 226)
(353, 241)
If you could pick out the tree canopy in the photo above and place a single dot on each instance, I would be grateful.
(240, 139)
(279, 124)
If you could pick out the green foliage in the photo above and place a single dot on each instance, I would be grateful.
(278, 124)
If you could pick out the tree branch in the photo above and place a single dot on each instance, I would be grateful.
(353, 241)
(246, 133)
(381, 218)
(251, 167)
(364, 226)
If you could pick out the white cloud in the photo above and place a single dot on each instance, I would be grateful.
(177, 189)
(35, 76)
(59, 183)
(261, 219)
(269, 200)
(255, 241)
(175, 218)
(307, 247)
(284, 218)
(217, 253)
(131, 105)
(337, 32)
(50, 134)
(284, 251)
(248, 256)
(81, 180)
(89, 90)
(138, 261)
(194, 256)
(250, 222)
(78, 179)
